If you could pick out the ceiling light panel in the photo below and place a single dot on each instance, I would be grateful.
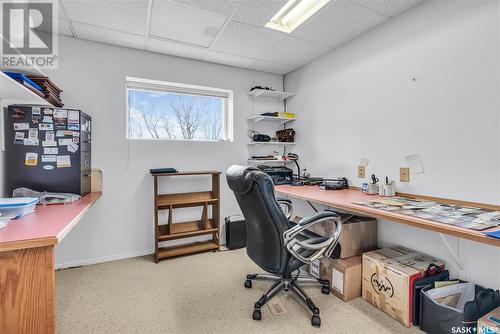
(294, 13)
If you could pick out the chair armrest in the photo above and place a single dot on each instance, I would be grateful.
(325, 248)
(287, 204)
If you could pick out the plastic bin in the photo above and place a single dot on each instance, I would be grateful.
(17, 207)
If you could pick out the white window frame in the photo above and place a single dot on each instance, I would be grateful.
(133, 83)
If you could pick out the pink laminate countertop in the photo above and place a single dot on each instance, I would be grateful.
(48, 225)
(342, 199)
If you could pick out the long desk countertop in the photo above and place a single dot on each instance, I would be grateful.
(342, 199)
(46, 226)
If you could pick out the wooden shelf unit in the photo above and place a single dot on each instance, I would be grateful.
(179, 230)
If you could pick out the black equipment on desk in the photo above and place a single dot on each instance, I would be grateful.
(335, 184)
(279, 174)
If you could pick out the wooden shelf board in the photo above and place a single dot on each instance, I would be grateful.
(186, 199)
(185, 230)
(166, 252)
(270, 93)
(280, 120)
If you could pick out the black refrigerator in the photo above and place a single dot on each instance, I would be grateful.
(47, 149)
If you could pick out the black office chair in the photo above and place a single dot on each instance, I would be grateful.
(275, 244)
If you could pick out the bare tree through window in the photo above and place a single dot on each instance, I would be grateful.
(164, 115)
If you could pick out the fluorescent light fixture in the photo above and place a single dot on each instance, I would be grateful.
(294, 13)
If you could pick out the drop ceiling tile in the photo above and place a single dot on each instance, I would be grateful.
(339, 22)
(387, 8)
(102, 35)
(175, 49)
(267, 66)
(245, 40)
(223, 7)
(257, 12)
(185, 24)
(294, 51)
(228, 59)
(125, 15)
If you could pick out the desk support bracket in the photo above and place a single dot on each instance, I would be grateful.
(312, 206)
(457, 260)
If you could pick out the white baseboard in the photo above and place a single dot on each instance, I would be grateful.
(96, 260)
(87, 262)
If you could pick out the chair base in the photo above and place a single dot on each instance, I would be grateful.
(288, 284)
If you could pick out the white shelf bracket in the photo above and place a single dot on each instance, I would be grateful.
(456, 259)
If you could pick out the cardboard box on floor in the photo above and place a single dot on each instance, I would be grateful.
(388, 277)
(359, 235)
(490, 323)
(344, 276)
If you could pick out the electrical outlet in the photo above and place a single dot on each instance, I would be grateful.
(361, 172)
(404, 174)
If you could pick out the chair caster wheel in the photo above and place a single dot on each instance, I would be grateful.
(257, 315)
(316, 321)
(248, 284)
(325, 289)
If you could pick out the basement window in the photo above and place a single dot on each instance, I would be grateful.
(158, 110)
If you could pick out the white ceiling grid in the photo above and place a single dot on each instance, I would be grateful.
(229, 32)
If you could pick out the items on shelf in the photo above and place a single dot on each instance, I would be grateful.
(26, 82)
(286, 135)
(260, 87)
(51, 91)
(279, 114)
(180, 230)
(258, 137)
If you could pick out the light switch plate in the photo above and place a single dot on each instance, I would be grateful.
(361, 172)
(404, 174)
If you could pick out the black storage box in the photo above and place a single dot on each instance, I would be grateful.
(236, 232)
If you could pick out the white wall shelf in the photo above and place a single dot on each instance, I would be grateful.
(276, 143)
(12, 91)
(280, 120)
(270, 93)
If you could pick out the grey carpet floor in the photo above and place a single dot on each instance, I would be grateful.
(200, 293)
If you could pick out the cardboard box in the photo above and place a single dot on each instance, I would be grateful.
(359, 235)
(388, 277)
(490, 323)
(344, 276)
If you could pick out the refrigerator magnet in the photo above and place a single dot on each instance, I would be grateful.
(31, 159)
(19, 138)
(63, 161)
(50, 150)
(49, 158)
(21, 126)
(48, 167)
(46, 127)
(31, 142)
(47, 111)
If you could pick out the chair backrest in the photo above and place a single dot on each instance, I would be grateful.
(265, 221)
